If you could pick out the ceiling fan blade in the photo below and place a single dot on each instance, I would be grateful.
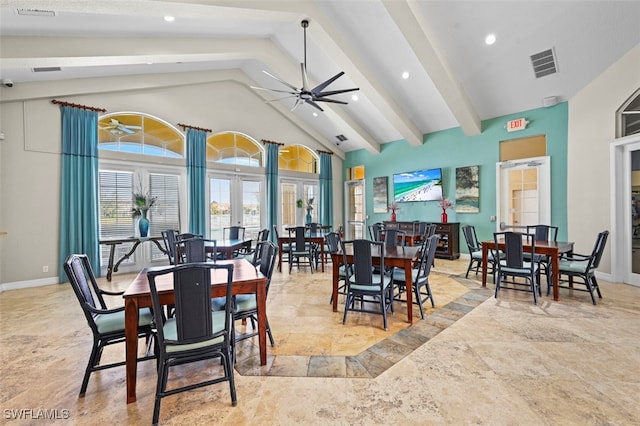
(298, 102)
(305, 79)
(313, 104)
(334, 101)
(279, 99)
(281, 81)
(335, 92)
(320, 87)
(126, 130)
(274, 90)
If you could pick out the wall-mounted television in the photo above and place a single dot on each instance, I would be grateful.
(420, 185)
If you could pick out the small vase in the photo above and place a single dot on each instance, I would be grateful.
(393, 216)
(443, 216)
(308, 217)
(143, 224)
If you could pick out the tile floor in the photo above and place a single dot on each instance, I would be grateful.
(472, 360)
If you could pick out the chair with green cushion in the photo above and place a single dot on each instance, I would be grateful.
(420, 276)
(286, 247)
(513, 269)
(246, 305)
(196, 332)
(107, 325)
(583, 267)
(300, 247)
(475, 252)
(363, 284)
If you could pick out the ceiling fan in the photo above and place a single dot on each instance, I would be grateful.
(306, 94)
(117, 128)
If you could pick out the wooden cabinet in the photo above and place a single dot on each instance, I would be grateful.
(449, 243)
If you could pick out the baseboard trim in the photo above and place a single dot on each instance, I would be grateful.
(28, 284)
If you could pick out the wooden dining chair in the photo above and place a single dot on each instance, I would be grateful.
(364, 286)
(195, 333)
(514, 265)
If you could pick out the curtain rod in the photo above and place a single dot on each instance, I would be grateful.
(62, 103)
(186, 126)
(324, 152)
(265, 141)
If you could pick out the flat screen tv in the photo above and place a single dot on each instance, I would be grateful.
(420, 185)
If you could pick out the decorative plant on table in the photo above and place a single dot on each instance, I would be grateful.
(309, 206)
(142, 202)
(393, 208)
(445, 204)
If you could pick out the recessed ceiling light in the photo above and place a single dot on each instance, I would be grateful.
(354, 98)
(315, 114)
(169, 18)
(490, 39)
(405, 75)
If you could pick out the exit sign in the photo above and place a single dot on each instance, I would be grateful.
(517, 124)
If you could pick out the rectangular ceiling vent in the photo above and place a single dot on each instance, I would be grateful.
(341, 138)
(46, 69)
(544, 63)
(35, 12)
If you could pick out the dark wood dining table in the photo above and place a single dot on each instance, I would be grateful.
(228, 247)
(396, 256)
(553, 249)
(246, 279)
(313, 237)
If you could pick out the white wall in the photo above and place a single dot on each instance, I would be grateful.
(30, 154)
(592, 122)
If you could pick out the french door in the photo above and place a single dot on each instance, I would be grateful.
(291, 214)
(625, 238)
(523, 193)
(235, 200)
(354, 207)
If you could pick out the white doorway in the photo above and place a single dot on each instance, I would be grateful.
(235, 201)
(354, 207)
(523, 189)
(625, 238)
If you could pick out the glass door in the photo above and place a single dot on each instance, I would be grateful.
(293, 212)
(524, 194)
(354, 204)
(235, 201)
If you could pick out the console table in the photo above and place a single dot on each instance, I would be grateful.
(449, 244)
(111, 268)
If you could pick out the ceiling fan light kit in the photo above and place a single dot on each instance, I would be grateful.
(305, 94)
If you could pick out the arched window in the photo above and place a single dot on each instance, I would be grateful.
(298, 158)
(138, 133)
(628, 116)
(234, 148)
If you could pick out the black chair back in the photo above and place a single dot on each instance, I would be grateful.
(598, 249)
(375, 231)
(543, 232)
(469, 232)
(85, 287)
(170, 236)
(394, 237)
(233, 233)
(332, 239)
(192, 250)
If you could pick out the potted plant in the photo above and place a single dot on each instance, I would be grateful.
(142, 202)
(445, 204)
(393, 208)
(309, 206)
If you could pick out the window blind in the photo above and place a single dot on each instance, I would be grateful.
(115, 195)
(165, 214)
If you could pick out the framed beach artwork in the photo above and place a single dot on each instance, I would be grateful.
(380, 199)
(468, 189)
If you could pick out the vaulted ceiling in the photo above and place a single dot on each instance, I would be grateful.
(454, 78)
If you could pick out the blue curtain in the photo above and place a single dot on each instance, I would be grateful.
(271, 171)
(196, 176)
(79, 187)
(326, 190)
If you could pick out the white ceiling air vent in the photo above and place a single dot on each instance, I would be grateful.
(46, 69)
(36, 12)
(544, 63)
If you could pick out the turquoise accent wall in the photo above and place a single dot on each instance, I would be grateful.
(451, 148)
